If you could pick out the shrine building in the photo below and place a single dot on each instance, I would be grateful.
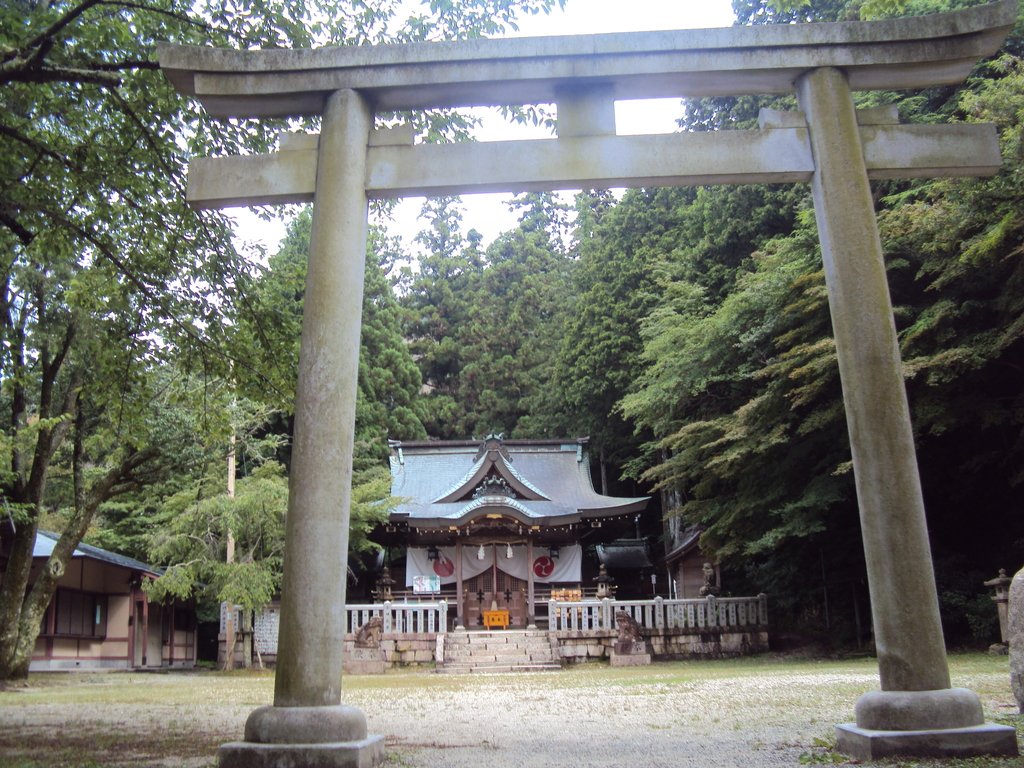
(502, 525)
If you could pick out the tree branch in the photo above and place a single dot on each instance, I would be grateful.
(28, 74)
(25, 236)
(38, 146)
(118, 66)
(51, 31)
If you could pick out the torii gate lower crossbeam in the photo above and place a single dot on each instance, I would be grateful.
(916, 712)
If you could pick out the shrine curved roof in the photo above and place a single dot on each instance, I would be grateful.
(545, 483)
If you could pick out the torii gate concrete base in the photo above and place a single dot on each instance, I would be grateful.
(325, 737)
(830, 144)
(923, 724)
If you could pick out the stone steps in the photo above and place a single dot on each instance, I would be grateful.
(493, 669)
(498, 651)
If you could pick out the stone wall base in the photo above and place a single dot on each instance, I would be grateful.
(364, 661)
(577, 646)
(396, 650)
(574, 646)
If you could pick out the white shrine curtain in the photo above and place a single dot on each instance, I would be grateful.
(567, 567)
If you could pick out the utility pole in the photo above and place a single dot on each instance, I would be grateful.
(229, 612)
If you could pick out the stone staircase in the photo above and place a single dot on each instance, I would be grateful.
(510, 650)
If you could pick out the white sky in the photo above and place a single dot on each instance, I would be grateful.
(489, 213)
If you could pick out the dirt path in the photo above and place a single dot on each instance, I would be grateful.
(676, 714)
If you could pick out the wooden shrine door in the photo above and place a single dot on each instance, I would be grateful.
(509, 593)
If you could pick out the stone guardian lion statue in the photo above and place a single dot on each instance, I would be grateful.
(368, 635)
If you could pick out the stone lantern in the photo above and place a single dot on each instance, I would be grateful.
(605, 583)
(1001, 585)
(384, 585)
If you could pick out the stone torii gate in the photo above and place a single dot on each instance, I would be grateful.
(828, 143)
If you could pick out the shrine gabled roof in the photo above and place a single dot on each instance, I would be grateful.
(537, 482)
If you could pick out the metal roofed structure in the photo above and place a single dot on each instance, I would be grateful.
(532, 483)
(496, 518)
(45, 542)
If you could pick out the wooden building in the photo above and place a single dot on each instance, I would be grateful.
(686, 564)
(499, 526)
(100, 618)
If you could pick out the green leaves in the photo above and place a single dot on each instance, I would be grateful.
(740, 387)
(788, 5)
(867, 9)
(269, 328)
(192, 539)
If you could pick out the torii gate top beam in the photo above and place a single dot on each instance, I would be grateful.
(892, 54)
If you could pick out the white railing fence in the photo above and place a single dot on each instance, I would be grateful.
(710, 613)
(400, 617)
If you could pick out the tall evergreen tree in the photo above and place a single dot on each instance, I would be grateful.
(484, 326)
(389, 384)
(437, 306)
(511, 336)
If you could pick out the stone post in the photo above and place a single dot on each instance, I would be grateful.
(1016, 638)
(460, 598)
(531, 595)
(916, 697)
(307, 725)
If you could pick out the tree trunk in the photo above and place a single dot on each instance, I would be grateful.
(20, 615)
(12, 596)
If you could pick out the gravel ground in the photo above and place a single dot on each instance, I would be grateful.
(767, 722)
(751, 713)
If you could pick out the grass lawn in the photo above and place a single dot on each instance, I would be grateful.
(757, 711)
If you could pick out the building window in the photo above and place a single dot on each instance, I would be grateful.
(184, 619)
(79, 614)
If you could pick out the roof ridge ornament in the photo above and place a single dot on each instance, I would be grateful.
(493, 442)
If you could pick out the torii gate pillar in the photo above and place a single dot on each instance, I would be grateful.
(916, 711)
(830, 145)
(308, 725)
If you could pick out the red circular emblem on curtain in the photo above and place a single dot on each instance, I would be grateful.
(543, 566)
(444, 567)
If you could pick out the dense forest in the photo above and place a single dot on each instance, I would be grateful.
(686, 331)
